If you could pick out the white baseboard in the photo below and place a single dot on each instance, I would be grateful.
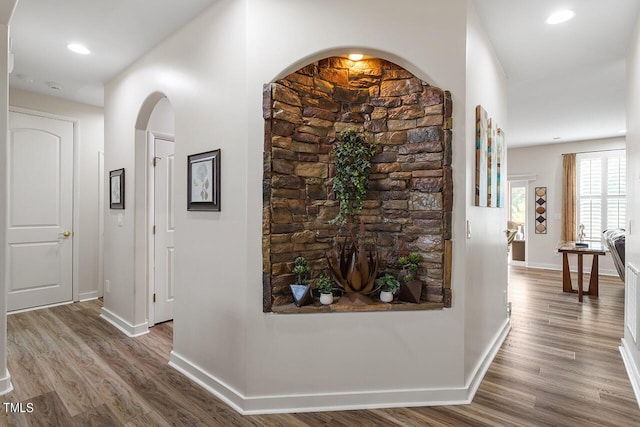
(212, 384)
(254, 405)
(587, 269)
(5, 384)
(87, 296)
(40, 307)
(632, 369)
(125, 327)
(484, 364)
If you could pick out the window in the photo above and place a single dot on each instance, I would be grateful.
(601, 182)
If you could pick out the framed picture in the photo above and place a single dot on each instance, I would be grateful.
(116, 185)
(203, 189)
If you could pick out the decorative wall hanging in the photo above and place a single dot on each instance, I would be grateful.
(541, 210)
(203, 189)
(489, 156)
(482, 151)
(116, 185)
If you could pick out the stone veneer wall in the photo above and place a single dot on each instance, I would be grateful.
(410, 197)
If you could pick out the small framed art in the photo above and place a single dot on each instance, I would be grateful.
(203, 189)
(116, 186)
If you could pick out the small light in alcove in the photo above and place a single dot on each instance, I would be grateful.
(356, 56)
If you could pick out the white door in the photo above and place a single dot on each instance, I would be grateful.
(164, 251)
(40, 206)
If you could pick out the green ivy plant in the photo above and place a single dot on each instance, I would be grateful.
(353, 154)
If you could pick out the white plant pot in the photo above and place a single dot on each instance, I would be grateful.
(326, 299)
(386, 296)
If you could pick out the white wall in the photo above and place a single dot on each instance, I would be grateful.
(5, 378)
(630, 350)
(201, 70)
(90, 137)
(545, 161)
(267, 362)
(485, 266)
(426, 347)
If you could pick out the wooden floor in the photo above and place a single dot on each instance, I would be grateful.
(560, 365)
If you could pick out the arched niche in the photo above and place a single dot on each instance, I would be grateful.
(410, 198)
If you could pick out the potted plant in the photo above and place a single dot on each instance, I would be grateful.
(300, 290)
(389, 285)
(325, 287)
(411, 288)
(301, 270)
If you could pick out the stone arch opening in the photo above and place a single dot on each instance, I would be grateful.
(410, 197)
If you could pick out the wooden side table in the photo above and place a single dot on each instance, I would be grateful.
(594, 249)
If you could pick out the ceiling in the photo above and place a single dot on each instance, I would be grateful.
(116, 31)
(565, 82)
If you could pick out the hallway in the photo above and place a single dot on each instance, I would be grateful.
(560, 365)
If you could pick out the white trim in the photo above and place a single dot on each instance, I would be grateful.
(125, 327)
(254, 405)
(75, 260)
(39, 307)
(5, 384)
(485, 363)
(632, 369)
(101, 209)
(151, 239)
(556, 267)
(88, 296)
(522, 177)
(210, 383)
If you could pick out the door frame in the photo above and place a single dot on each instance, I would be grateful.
(526, 179)
(75, 221)
(151, 188)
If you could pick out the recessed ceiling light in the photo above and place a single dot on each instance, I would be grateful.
(560, 16)
(356, 56)
(622, 131)
(78, 48)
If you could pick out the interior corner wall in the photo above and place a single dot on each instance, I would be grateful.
(5, 379)
(264, 362)
(486, 319)
(90, 137)
(630, 349)
(201, 70)
(545, 162)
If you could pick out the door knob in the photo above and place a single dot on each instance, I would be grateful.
(66, 234)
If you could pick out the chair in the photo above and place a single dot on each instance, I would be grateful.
(511, 231)
(614, 240)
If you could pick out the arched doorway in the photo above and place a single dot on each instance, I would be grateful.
(155, 163)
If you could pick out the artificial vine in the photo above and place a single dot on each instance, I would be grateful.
(353, 156)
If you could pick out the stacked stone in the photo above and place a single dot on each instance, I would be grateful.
(410, 197)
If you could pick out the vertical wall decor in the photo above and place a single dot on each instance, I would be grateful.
(499, 159)
(116, 186)
(489, 156)
(482, 151)
(541, 210)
